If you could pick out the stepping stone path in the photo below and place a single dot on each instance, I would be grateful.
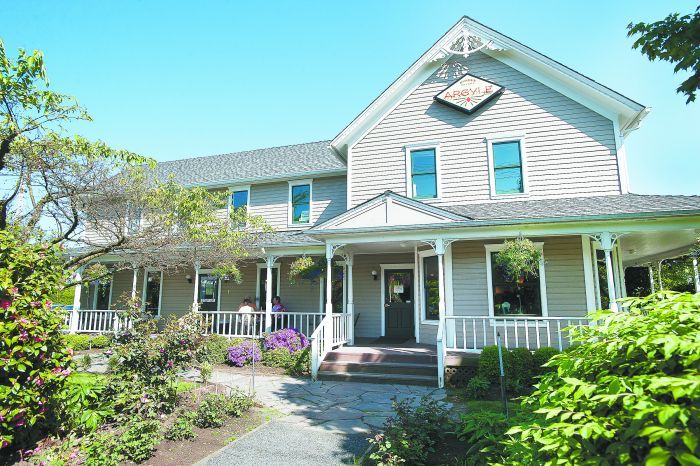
(340, 407)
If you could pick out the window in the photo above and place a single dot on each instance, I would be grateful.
(208, 292)
(102, 294)
(507, 168)
(151, 292)
(300, 203)
(239, 199)
(526, 296)
(424, 179)
(431, 288)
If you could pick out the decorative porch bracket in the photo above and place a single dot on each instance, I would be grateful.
(607, 242)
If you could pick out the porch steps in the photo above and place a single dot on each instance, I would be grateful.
(410, 366)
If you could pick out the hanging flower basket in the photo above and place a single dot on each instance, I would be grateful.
(304, 268)
(520, 258)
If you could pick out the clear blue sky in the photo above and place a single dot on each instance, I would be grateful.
(173, 79)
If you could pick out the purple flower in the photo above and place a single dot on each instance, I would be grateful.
(244, 353)
(5, 303)
(23, 335)
(290, 339)
(169, 365)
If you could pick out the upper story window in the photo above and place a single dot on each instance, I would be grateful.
(422, 180)
(300, 202)
(506, 160)
(239, 199)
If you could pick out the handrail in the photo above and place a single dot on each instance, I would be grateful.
(334, 330)
(441, 353)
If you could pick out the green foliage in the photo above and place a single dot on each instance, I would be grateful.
(140, 439)
(304, 267)
(81, 406)
(296, 363)
(542, 356)
(181, 429)
(238, 403)
(477, 387)
(85, 361)
(78, 341)
(112, 363)
(519, 257)
(205, 370)
(100, 341)
(412, 433)
(144, 380)
(102, 449)
(628, 394)
(675, 40)
(518, 365)
(489, 366)
(211, 411)
(34, 358)
(215, 349)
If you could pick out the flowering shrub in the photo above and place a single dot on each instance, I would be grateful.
(34, 361)
(244, 353)
(290, 339)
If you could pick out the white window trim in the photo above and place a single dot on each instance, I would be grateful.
(408, 149)
(421, 286)
(95, 287)
(490, 248)
(234, 189)
(507, 137)
(293, 183)
(218, 285)
(275, 266)
(382, 268)
(145, 287)
(322, 304)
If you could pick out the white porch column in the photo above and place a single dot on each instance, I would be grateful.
(606, 243)
(269, 263)
(350, 299)
(651, 279)
(195, 298)
(417, 288)
(697, 274)
(133, 283)
(329, 297)
(440, 252)
(74, 313)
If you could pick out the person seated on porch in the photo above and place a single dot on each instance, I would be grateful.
(278, 308)
(277, 305)
(246, 308)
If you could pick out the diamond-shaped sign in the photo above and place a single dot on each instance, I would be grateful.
(469, 93)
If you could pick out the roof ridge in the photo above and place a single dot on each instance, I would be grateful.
(245, 151)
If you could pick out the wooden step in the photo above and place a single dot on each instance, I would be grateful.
(379, 355)
(379, 378)
(379, 367)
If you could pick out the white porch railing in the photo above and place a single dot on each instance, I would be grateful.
(470, 334)
(95, 321)
(252, 325)
(331, 332)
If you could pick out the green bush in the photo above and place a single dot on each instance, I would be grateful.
(483, 431)
(78, 341)
(629, 393)
(211, 412)
(139, 440)
(412, 433)
(85, 361)
(33, 356)
(489, 367)
(100, 341)
(101, 449)
(81, 406)
(520, 369)
(477, 387)
(237, 403)
(215, 349)
(542, 356)
(296, 363)
(181, 429)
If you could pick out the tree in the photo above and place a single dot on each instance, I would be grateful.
(675, 39)
(96, 200)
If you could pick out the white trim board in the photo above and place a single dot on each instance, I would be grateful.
(382, 268)
(490, 248)
(520, 138)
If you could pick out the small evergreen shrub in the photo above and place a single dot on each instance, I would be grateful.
(477, 387)
(296, 363)
(244, 353)
(489, 366)
(181, 429)
(211, 412)
(541, 357)
(86, 362)
(215, 349)
(78, 341)
(520, 369)
(100, 341)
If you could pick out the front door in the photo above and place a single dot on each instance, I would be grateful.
(398, 303)
(208, 292)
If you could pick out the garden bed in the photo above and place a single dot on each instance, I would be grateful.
(260, 369)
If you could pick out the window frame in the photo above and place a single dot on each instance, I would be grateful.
(422, 255)
(145, 289)
(501, 138)
(290, 213)
(219, 282)
(235, 189)
(491, 248)
(95, 286)
(408, 153)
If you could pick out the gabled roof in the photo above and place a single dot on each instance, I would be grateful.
(274, 163)
(623, 111)
(388, 210)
